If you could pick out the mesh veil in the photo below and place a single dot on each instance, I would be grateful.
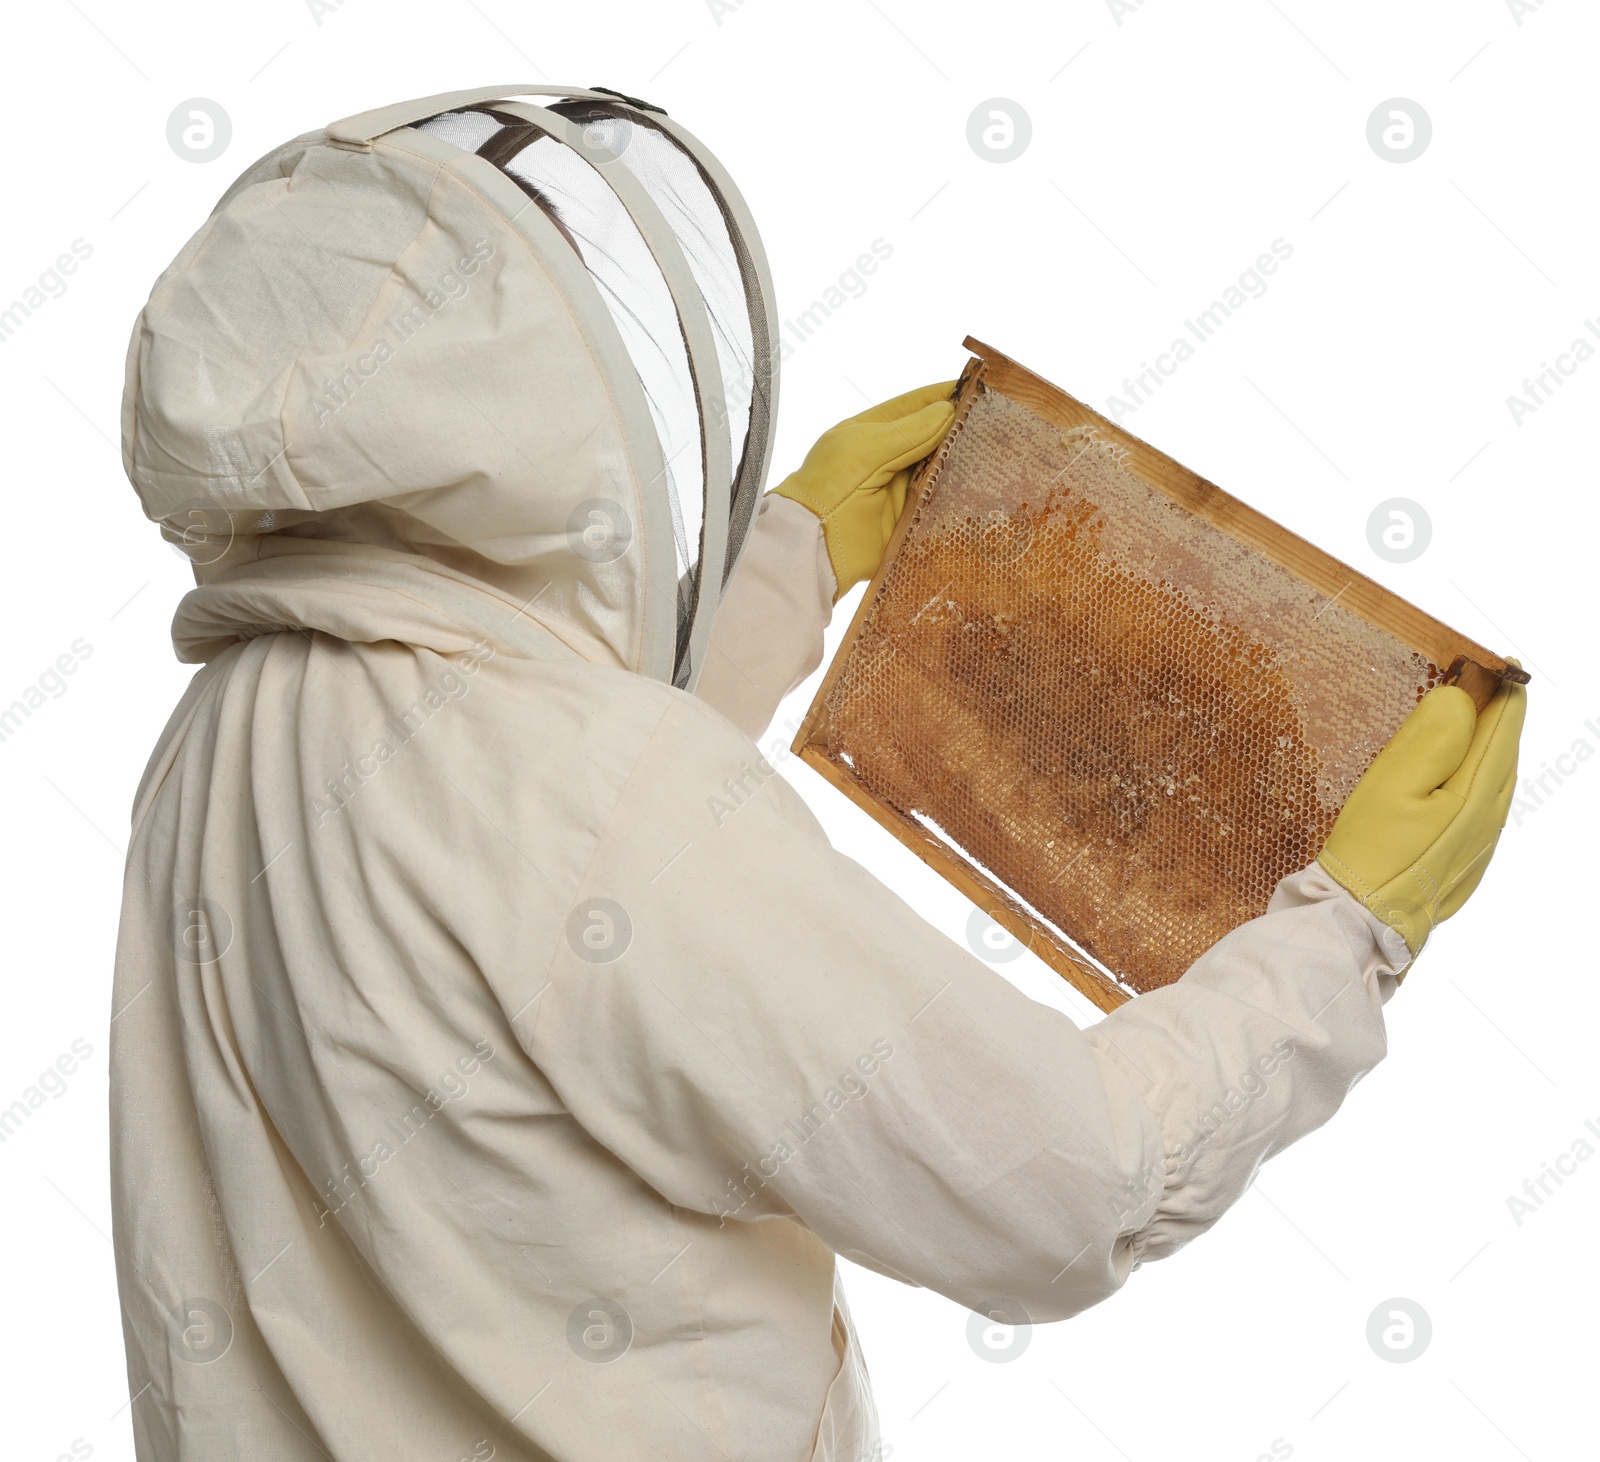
(575, 186)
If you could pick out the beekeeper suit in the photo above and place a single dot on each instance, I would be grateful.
(501, 1054)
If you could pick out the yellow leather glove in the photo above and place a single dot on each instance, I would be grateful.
(855, 477)
(1416, 835)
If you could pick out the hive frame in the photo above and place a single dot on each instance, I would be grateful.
(1476, 669)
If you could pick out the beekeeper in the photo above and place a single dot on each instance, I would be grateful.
(501, 1054)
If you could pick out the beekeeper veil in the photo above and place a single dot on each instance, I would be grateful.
(527, 344)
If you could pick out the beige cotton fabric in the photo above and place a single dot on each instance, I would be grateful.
(768, 634)
(501, 1053)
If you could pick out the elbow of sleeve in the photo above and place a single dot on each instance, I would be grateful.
(1070, 1278)
(1074, 1249)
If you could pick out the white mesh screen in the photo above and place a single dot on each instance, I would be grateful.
(641, 305)
(695, 215)
(466, 130)
(636, 295)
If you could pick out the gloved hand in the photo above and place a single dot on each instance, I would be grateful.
(855, 477)
(1416, 835)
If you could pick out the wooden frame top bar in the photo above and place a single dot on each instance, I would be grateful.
(1354, 590)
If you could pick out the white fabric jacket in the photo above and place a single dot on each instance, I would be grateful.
(501, 1053)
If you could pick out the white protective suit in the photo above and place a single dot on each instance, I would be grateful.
(501, 1054)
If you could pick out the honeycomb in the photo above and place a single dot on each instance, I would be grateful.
(1124, 722)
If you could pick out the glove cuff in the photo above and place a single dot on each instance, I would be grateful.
(1411, 915)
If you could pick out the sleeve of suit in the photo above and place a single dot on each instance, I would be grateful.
(784, 1038)
(768, 633)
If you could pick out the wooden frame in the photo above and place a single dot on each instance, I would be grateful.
(1478, 670)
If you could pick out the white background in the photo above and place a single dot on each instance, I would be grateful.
(1171, 145)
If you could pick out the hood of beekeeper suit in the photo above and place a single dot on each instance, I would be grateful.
(459, 346)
